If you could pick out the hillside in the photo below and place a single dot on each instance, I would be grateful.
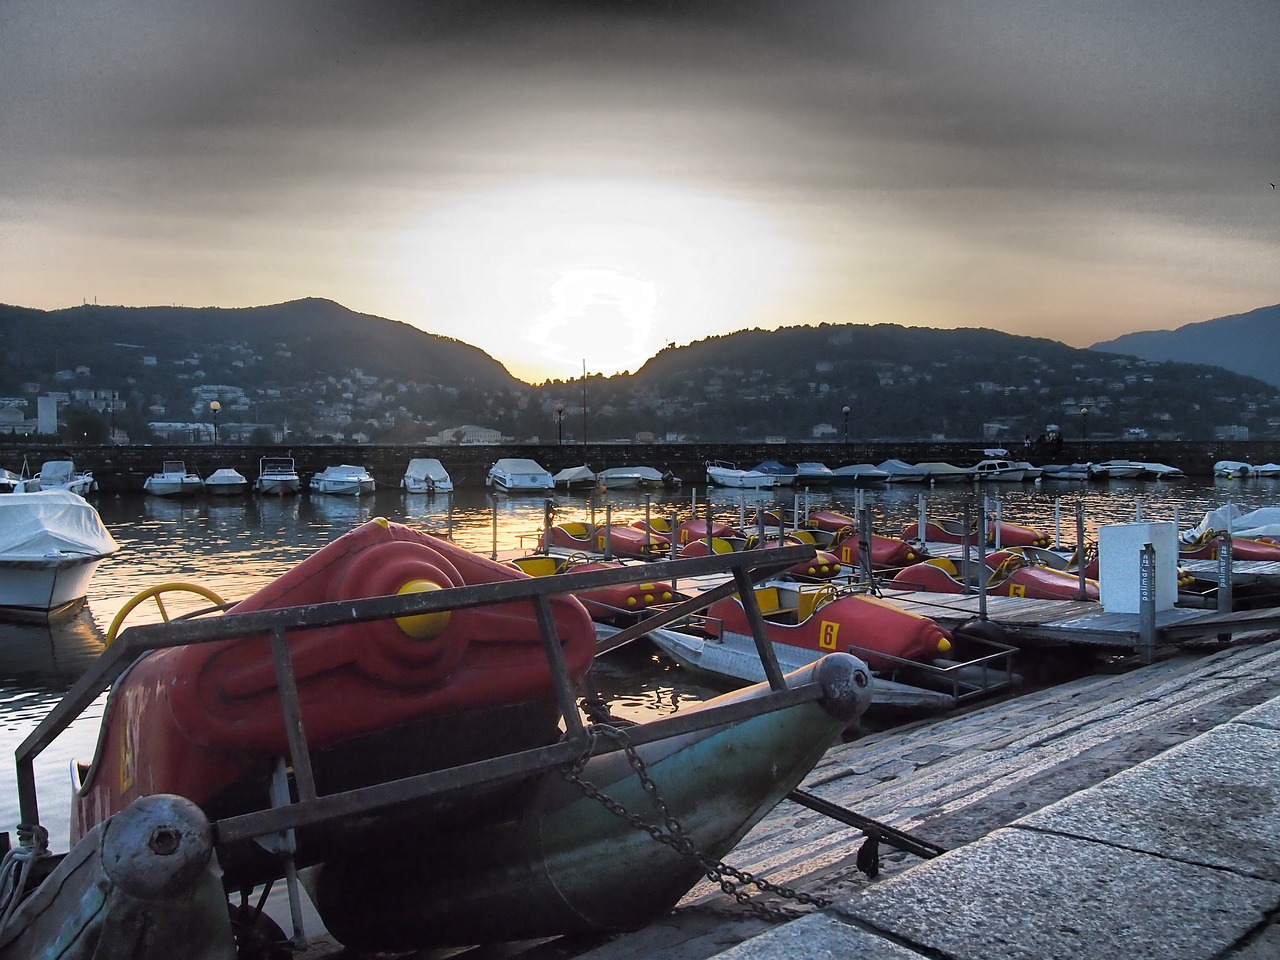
(313, 369)
(1246, 343)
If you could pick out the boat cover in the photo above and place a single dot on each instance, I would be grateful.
(38, 524)
(421, 468)
(1263, 522)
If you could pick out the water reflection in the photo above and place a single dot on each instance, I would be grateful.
(239, 545)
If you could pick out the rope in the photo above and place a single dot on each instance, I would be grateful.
(33, 843)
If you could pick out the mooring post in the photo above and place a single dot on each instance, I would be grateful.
(493, 548)
(864, 546)
(1147, 604)
(965, 543)
(608, 530)
(1080, 551)
(982, 563)
(1224, 575)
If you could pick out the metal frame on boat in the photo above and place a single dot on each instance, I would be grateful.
(847, 682)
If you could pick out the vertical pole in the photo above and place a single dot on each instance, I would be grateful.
(1080, 551)
(608, 530)
(982, 563)
(1057, 522)
(1225, 599)
(648, 526)
(493, 551)
(759, 629)
(965, 559)
(864, 546)
(1147, 604)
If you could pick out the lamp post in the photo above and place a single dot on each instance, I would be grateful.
(215, 406)
(845, 411)
(1084, 424)
(560, 424)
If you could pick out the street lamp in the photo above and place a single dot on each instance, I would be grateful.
(560, 424)
(845, 411)
(215, 406)
(1084, 424)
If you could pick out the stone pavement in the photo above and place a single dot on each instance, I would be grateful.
(1135, 812)
(1175, 858)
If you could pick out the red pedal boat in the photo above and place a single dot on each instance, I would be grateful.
(404, 695)
(953, 531)
(1008, 575)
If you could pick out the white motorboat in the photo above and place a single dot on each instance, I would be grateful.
(648, 478)
(1004, 471)
(61, 475)
(173, 480)
(811, 473)
(942, 472)
(519, 475)
(344, 480)
(620, 478)
(859, 474)
(581, 477)
(51, 541)
(1065, 471)
(1232, 469)
(784, 476)
(277, 476)
(1115, 470)
(723, 474)
(899, 471)
(426, 475)
(226, 482)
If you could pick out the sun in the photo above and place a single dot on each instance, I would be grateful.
(549, 275)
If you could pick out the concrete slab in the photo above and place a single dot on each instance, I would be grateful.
(1214, 800)
(1022, 895)
(818, 937)
(1263, 715)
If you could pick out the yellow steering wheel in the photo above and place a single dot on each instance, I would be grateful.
(156, 593)
(1008, 565)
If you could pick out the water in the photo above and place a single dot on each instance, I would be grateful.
(236, 546)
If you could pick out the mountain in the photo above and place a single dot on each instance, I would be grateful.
(312, 368)
(304, 362)
(1246, 343)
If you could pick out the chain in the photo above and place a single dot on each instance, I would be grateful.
(670, 832)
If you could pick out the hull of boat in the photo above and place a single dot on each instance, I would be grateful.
(860, 624)
(378, 700)
(180, 487)
(1242, 548)
(564, 863)
(343, 488)
(40, 590)
(279, 486)
(1032, 582)
(143, 884)
(953, 531)
(231, 488)
(735, 658)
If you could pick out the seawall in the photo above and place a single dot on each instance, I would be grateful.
(121, 468)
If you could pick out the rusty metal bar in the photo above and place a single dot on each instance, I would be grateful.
(759, 630)
(565, 699)
(497, 769)
(287, 683)
(678, 611)
(140, 639)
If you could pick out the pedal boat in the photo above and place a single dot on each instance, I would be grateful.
(1007, 574)
(449, 808)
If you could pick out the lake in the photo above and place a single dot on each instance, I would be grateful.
(235, 546)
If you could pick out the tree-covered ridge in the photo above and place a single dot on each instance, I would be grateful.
(332, 373)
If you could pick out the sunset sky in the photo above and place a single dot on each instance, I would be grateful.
(570, 183)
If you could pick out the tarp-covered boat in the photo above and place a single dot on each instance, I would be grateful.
(51, 542)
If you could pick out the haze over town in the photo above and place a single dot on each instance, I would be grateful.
(571, 184)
